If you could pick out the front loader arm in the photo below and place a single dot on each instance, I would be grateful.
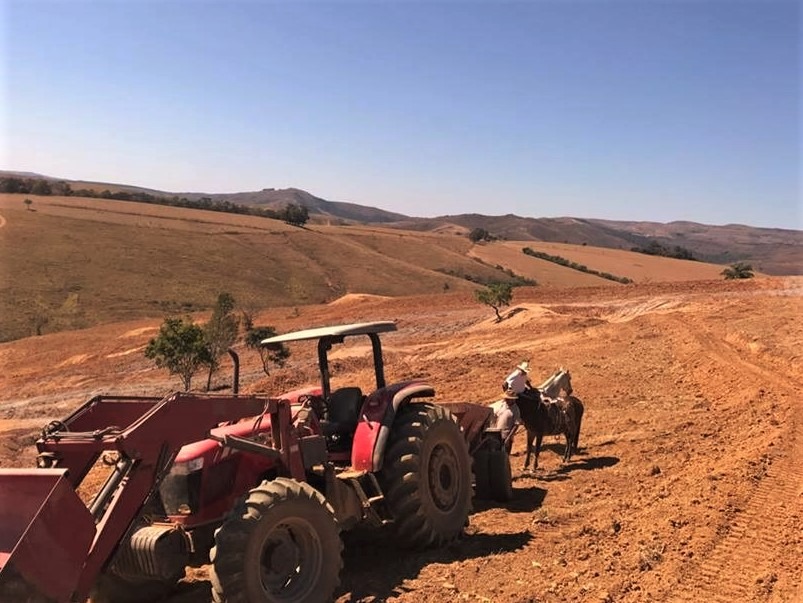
(147, 433)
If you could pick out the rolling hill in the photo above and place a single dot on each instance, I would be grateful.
(74, 262)
(770, 250)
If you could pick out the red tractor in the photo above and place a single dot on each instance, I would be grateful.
(261, 487)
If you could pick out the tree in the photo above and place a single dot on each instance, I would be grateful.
(28, 204)
(13, 185)
(496, 295)
(738, 270)
(220, 332)
(296, 215)
(180, 347)
(41, 187)
(479, 234)
(62, 188)
(276, 354)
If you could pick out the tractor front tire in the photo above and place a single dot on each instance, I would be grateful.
(109, 588)
(281, 544)
(426, 476)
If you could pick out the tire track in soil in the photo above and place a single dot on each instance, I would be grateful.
(753, 548)
(746, 562)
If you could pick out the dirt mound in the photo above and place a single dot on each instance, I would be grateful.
(516, 317)
(356, 298)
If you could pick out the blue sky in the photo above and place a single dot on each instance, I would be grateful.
(628, 110)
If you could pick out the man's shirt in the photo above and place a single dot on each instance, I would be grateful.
(505, 416)
(517, 381)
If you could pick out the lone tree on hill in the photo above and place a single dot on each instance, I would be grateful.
(220, 332)
(180, 347)
(294, 214)
(738, 270)
(496, 295)
(479, 234)
(28, 204)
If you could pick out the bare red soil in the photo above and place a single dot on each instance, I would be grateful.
(688, 485)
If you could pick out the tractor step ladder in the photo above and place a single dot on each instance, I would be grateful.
(374, 502)
(370, 494)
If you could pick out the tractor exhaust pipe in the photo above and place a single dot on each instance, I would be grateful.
(235, 386)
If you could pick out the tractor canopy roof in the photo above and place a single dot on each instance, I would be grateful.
(340, 331)
(328, 336)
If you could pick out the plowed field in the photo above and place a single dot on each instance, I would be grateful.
(688, 485)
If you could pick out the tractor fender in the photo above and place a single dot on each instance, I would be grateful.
(376, 420)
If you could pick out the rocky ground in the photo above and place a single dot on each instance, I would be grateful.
(688, 485)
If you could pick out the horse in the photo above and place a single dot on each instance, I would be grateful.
(561, 380)
(543, 412)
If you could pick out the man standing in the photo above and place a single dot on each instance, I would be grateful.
(506, 415)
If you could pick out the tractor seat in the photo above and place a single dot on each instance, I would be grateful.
(343, 411)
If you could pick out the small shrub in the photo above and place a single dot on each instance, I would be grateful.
(737, 271)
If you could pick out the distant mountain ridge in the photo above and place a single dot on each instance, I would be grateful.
(770, 250)
(271, 198)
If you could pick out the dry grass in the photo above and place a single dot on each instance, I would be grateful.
(82, 262)
(78, 262)
(638, 267)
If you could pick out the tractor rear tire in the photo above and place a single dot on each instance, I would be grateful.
(499, 476)
(426, 476)
(281, 544)
(482, 478)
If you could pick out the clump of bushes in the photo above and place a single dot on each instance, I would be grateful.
(480, 234)
(655, 248)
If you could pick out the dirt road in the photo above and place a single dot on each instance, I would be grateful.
(688, 485)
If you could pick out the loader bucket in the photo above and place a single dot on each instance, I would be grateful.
(45, 535)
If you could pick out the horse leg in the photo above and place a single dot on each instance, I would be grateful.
(530, 436)
(567, 453)
(538, 437)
